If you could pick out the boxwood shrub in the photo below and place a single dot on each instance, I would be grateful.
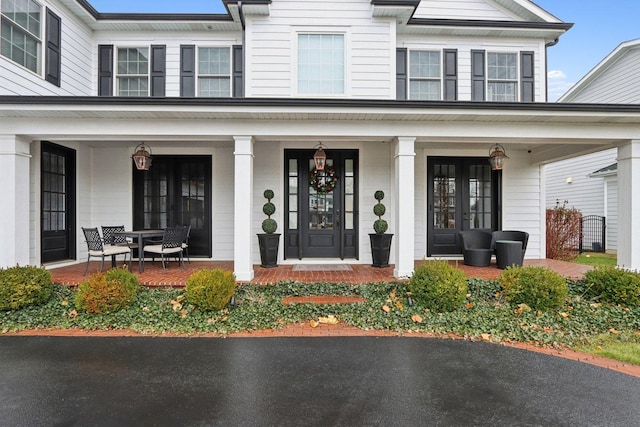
(24, 286)
(210, 289)
(538, 287)
(614, 285)
(439, 286)
(107, 292)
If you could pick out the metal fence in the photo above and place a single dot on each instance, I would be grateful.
(593, 233)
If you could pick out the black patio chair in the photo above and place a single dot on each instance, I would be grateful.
(476, 247)
(185, 240)
(171, 245)
(516, 236)
(96, 248)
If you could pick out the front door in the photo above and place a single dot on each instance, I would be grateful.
(57, 203)
(321, 206)
(176, 191)
(463, 194)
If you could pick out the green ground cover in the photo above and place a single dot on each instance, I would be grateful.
(597, 259)
(580, 323)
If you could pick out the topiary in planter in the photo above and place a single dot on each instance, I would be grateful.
(269, 225)
(538, 287)
(210, 289)
(439, 286)
(107, 292)
(380, 226)
(24, 286)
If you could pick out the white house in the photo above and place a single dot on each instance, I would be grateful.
(405, 96)
(590, 183)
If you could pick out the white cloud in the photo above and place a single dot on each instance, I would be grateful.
(557, 84)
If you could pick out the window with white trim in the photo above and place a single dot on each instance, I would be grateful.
(132, 71)
(425, 75)
(214, 71)
(321, 64)
(502, 77)
(21, 25)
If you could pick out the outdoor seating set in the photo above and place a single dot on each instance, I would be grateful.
(509, 247)
(116, 240)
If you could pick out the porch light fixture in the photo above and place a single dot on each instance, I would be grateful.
(497, 156)
(142, 157)
(320, 158)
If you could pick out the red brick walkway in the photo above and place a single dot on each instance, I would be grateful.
(360, 273)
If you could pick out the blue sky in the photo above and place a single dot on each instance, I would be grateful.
(599, 26)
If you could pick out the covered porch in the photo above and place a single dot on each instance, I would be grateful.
(174, 276)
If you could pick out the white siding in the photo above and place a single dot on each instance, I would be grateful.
(462, 9)
(521, 200)
(617, 84)
(222, 203)
(465, 45)
(75, 72)
(584, 193)
(611, 184)
(271, 47)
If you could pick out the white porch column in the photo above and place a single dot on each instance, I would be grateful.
(14, 213)
(243, 208)
(629, 205)
(405, 201)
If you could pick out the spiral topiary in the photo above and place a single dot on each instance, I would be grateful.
(380, 226)
(269, 225)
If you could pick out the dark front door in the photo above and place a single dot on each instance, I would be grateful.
(321, 206)
(57, 203)
(463, 194)
(175, 191)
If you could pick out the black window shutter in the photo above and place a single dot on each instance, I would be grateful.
(158, 69)
(526, 76)
(450, 74)
(477, 75)
(105, 70)
(187, 70)
(53, 48)
(401, 73)
(238, 72)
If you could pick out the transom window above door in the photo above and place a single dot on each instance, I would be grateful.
(502, 77)
(21, 32)
(321, 64)
(214, 71)
(425, 75)
(133, 71)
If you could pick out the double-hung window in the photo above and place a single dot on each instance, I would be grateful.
(133, 71)
(425, 75)
(321, 64)
(502, 77)
(21, 32)
(214, 72)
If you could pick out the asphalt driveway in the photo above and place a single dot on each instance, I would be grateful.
(354, 381)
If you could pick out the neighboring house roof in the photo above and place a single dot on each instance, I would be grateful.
(610, 170)
(599, 69)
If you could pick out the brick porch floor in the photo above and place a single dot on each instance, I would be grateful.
(361, 273)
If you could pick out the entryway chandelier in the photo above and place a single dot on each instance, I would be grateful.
(142, 157)
(497, 156)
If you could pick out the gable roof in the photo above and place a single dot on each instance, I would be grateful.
(599, 69)
(605, 171)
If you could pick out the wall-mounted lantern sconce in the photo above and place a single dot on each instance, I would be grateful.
(142, 157)
(320, 158)
(497, 156)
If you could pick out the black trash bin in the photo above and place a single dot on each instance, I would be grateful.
(508, 252)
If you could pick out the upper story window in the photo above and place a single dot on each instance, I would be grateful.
(425, 75)
(133, 71)
(321, 64)
(21, 32)
(502, 77)
(214, 71)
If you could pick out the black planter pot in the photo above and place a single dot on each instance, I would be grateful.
(380, 249)
(269, 249)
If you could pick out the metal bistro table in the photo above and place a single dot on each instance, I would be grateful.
(140, 236)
